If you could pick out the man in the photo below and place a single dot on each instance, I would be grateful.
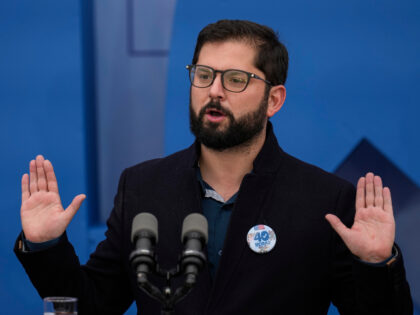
(237, 175)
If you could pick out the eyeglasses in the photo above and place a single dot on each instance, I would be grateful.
(232, 80)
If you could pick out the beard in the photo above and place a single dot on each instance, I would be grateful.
(239, 131)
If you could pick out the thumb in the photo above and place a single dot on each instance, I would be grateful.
(74, 206)
(338, 226)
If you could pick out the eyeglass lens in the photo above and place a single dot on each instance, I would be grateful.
(233, 80)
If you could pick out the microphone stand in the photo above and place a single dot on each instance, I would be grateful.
(192, 261)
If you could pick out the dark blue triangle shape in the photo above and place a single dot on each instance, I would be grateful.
(365, 157)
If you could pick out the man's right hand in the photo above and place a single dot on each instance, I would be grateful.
(42, 214)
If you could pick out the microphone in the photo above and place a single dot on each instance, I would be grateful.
(194, 237)
(144, 235)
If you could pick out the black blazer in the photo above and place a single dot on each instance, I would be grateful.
(308, 268)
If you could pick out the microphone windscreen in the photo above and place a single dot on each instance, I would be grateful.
(144, 222)
(195, 222)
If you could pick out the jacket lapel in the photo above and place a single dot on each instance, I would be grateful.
(185, 185)
(247, 212)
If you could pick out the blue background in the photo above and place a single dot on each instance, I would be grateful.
(71, 73)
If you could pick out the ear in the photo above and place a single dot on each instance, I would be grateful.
(276, 99)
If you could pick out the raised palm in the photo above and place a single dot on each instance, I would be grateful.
(373, 232)
(42, 214)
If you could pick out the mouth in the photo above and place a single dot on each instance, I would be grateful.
(214, 112)
(215, 115)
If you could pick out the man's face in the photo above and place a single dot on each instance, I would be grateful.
(221, 119)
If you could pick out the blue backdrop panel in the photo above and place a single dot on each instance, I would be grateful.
(353, 73)
(131, 54)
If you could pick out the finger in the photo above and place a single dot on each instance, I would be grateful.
(377, 183)
(50, 175)
(360, 193)
(370, 192)
(74, 206)
(25, 187)
(387, 200)
(42, 183)
(339, 227)
(33, 181)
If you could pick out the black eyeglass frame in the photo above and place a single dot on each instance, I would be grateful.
(222, 73)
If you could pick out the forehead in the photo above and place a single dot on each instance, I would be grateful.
(228, 55)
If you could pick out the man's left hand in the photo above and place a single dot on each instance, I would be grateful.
(373, 232)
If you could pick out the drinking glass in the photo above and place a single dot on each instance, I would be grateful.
(60, 305)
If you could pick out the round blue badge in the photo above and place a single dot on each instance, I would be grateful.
(261, 238)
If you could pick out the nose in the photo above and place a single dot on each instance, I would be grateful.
(216, 90)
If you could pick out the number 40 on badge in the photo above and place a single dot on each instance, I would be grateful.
(261, 239)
